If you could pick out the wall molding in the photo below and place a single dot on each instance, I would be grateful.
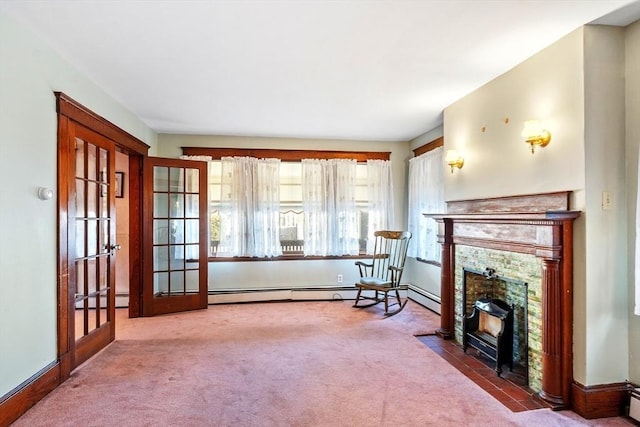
(67, 106)
(24, 396)
(432, 145)
(600, 401)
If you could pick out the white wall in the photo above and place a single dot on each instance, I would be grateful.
(606, 305)
(632, 110)
(291, 274)
(548, 87)
(574, 86)
(30, 73)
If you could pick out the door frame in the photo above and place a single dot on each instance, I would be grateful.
(69, 110)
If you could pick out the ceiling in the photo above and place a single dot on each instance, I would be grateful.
(350, 69)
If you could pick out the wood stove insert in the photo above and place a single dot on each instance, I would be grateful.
(489, 329)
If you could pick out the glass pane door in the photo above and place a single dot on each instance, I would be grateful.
(176, 271)
(92, 245)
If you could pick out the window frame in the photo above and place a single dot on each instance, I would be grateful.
(217, 153)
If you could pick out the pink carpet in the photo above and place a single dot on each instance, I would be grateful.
(278, 364)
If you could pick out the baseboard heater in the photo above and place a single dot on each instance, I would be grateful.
(425, 298)
(319, 293)
(323, 293)
(634, 404)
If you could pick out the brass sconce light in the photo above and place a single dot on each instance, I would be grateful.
(454, 160)
(535, 135)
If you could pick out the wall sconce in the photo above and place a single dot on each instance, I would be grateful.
(534, 134)
(454, 160)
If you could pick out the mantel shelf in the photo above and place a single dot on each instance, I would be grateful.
(508, 217)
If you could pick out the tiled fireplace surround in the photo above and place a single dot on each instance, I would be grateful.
(526, 238)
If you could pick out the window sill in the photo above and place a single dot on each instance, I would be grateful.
(297, 257)
(431, 262)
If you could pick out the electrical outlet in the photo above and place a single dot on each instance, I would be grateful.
(339, 278)
(607, 202)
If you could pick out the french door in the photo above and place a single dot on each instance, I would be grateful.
(91, 241)
(175, 236)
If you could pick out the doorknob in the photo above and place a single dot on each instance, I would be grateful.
(111, 248)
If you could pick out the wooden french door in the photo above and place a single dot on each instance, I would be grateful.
(91, 241)
(86, 229)
(175, 236)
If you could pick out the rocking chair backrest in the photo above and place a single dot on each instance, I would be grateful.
(389, 254)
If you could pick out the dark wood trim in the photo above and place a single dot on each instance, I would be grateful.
(135, 235)
(65, 344)
(552, 374)
(438, 142)
(600, 401)
(429, 261)
(285, 155)
(66, 106)
(19, 400)
(447, 288)
(89, 345)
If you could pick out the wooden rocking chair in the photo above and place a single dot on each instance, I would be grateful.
(382, 276)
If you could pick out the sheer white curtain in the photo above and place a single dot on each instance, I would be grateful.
(380, 196)
(329, 205)
(426, 195)
(250, 207)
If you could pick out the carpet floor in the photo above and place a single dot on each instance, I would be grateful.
(279, 364)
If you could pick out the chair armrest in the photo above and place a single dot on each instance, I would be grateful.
(362, 268)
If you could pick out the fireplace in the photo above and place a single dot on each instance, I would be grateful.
(528, 238)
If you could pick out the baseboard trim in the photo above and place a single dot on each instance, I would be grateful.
(20, 399)
(425, 298)
(599, 401)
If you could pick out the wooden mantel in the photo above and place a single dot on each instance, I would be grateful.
(540, 225)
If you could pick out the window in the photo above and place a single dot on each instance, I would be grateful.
(426, 195)
(291, 227)
(292, 213)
